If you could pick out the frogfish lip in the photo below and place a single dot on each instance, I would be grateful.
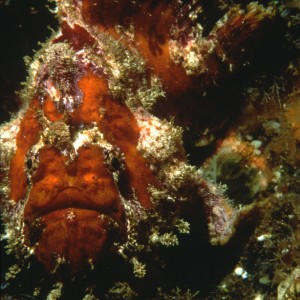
(72, 198)
(73, 227)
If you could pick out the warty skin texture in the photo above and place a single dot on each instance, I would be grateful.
(91, 157)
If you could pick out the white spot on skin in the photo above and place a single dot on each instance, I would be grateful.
(81, 139)
(256, 144)
(70, 215)
(263, 237)
(52, 90)
(90, 136)
(239, 271)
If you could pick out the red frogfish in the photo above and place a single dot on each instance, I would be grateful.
(94, 163)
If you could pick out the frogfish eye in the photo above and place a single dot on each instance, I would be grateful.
(115, 163)
(29, 163)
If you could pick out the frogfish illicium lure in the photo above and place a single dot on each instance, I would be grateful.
(94, 163)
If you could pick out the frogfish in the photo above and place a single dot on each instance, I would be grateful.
(94, 164)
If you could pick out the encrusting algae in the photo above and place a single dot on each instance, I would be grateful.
(156, 154)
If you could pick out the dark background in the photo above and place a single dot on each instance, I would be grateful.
(23, 23)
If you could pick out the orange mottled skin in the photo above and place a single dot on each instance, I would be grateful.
(27, 136)
(120, 128)
(50, 110)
